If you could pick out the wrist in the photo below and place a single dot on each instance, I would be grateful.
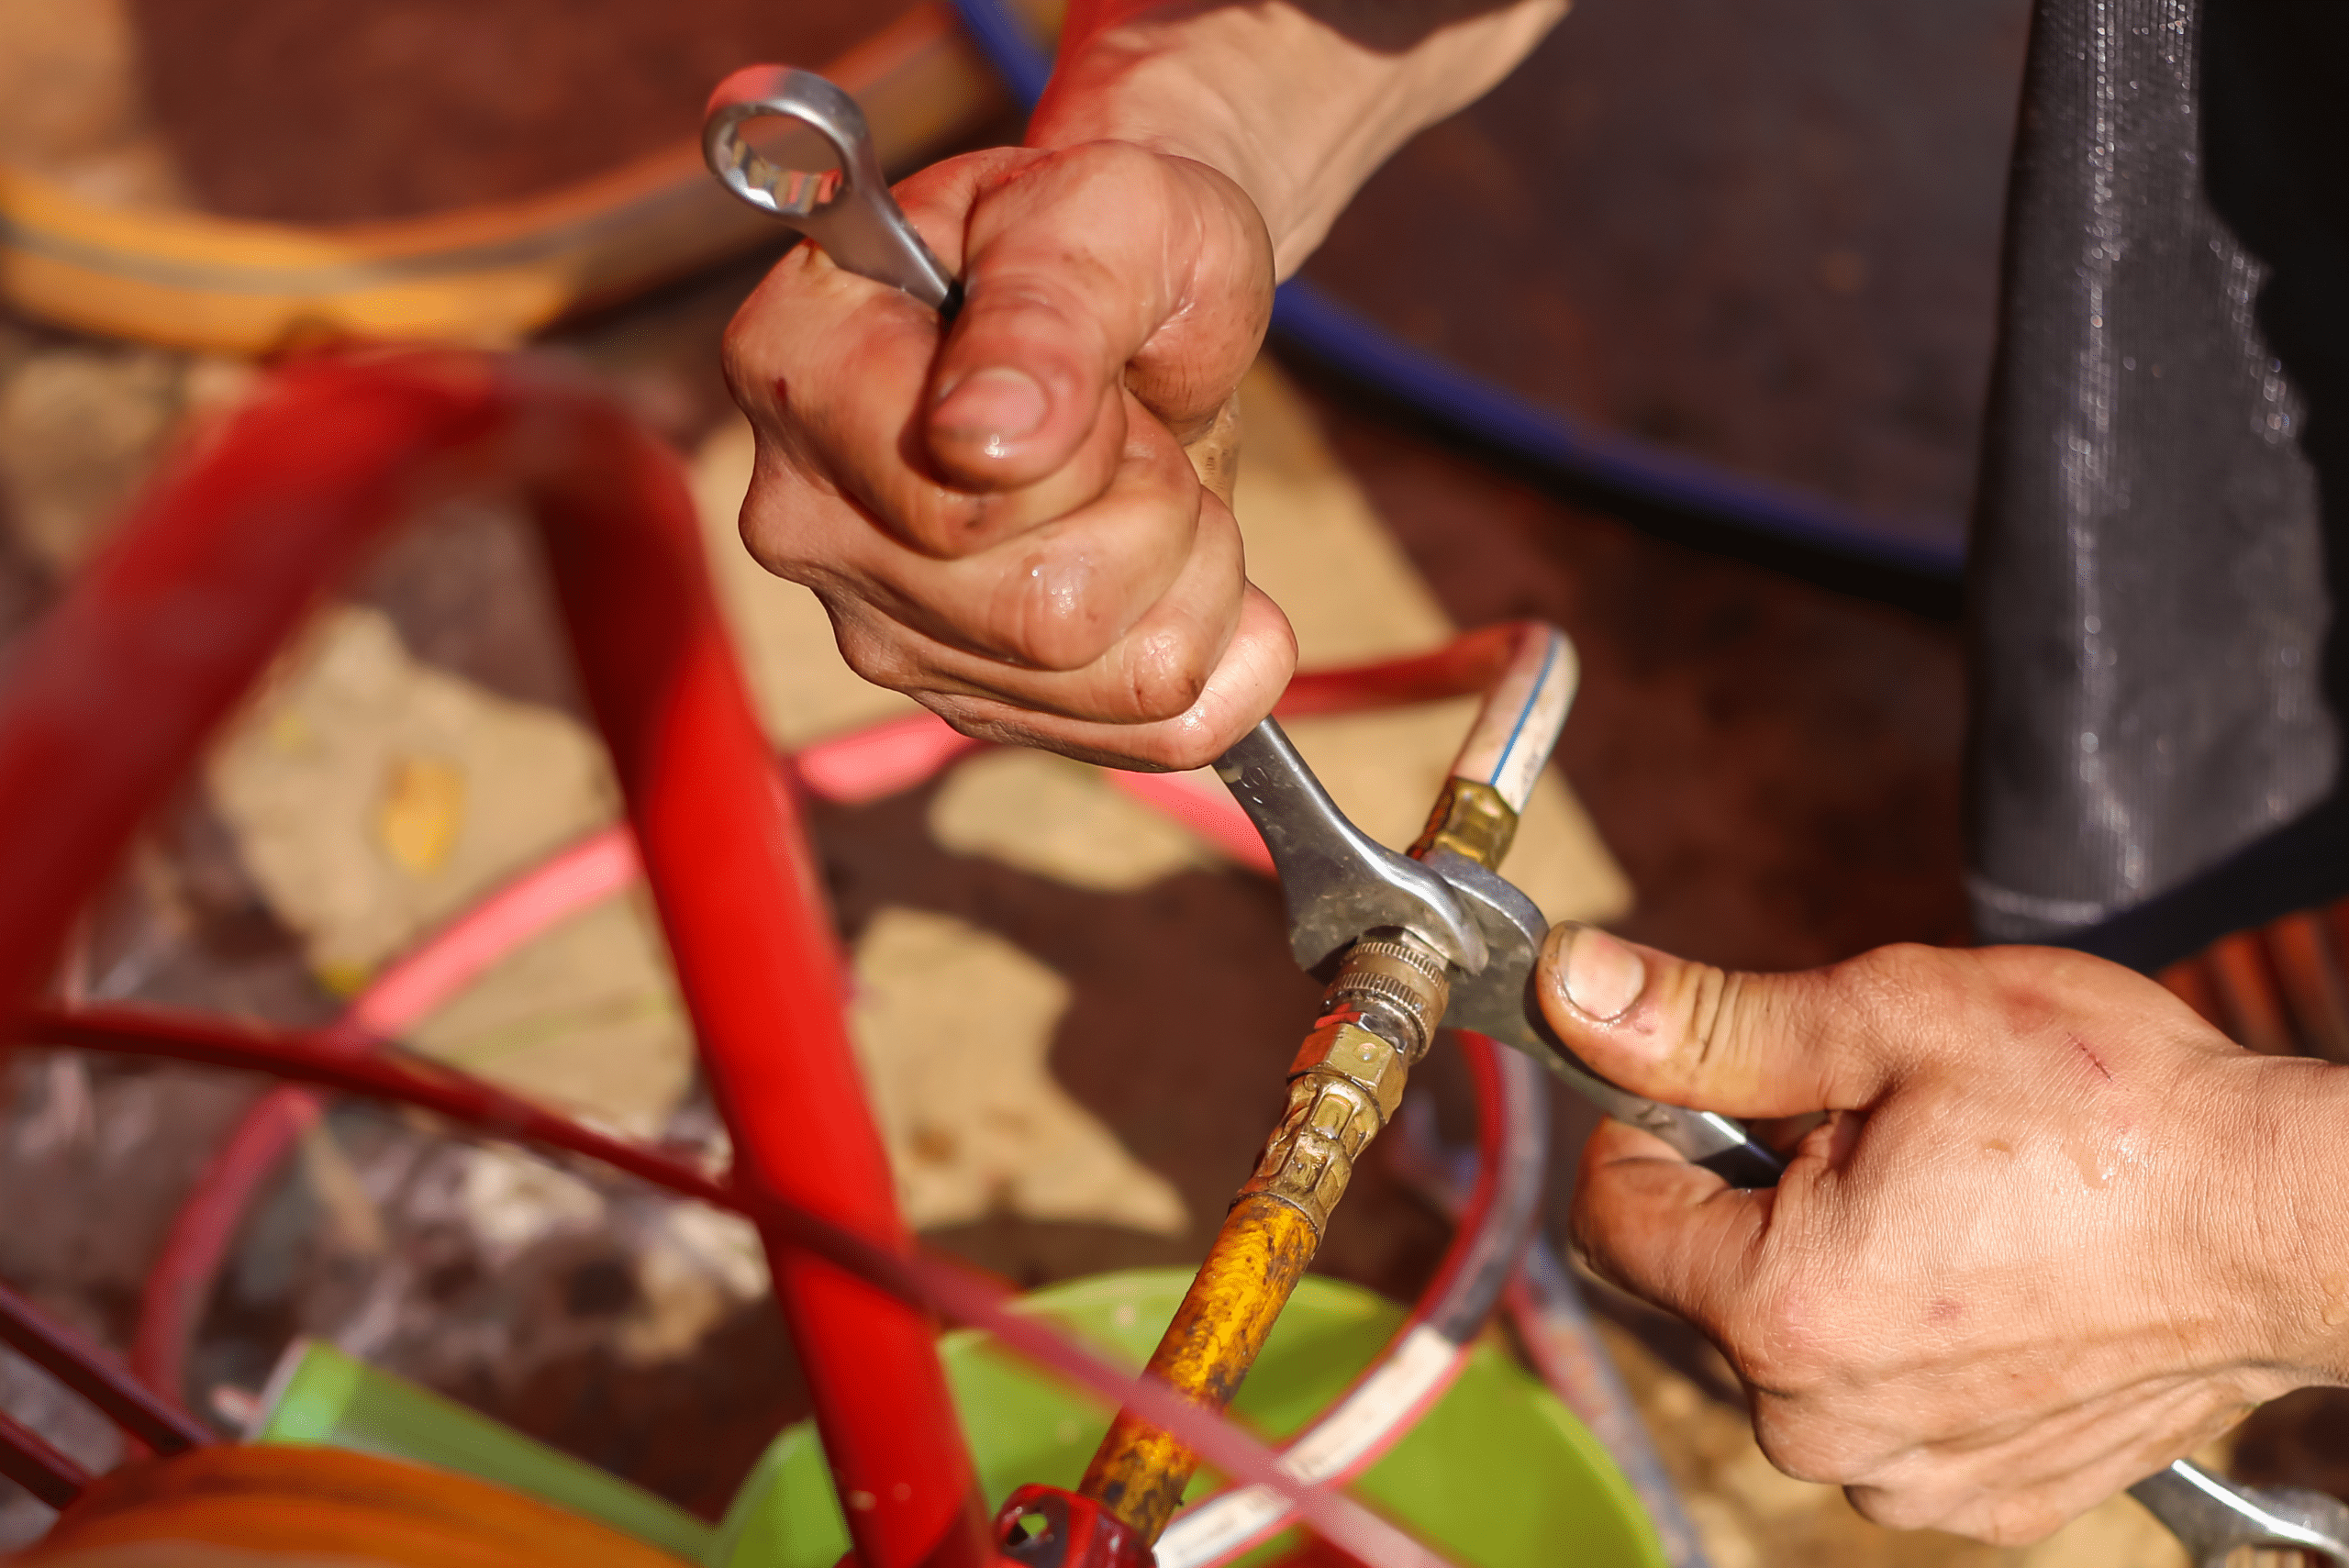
(1289, 101)
(1126, 83)
(2285, 1194)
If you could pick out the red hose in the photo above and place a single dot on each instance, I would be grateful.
(109, 699)
(85, 1367)
(179, 1284)
(32, 1462)
(851, 769)
(950, 1290)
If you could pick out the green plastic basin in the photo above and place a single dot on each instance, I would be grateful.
(1496, 1475)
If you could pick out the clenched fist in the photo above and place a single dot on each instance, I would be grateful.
(1001, 516)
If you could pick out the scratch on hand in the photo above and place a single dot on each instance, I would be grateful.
(2094, 1061)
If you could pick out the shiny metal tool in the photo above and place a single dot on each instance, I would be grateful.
(1341, 885)
(2216, 1519)
(846, 209)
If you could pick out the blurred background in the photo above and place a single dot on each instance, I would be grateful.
(1761, 234)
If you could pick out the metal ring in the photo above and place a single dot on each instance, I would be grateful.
(848, 212)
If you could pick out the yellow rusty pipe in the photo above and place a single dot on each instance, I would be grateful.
(1140, 1471)
(1377, 1020)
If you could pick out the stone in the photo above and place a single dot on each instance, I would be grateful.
(1060, 819)
(78, 426)
(954, 1026)
(373, 797)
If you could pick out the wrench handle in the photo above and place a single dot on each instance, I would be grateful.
(2215, 1517)
(1749, 1162)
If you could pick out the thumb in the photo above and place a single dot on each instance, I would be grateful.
(1088, 272)
(1717, 1039)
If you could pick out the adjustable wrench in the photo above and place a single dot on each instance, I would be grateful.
(1340, 884)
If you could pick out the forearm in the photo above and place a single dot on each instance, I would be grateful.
(1296, 103)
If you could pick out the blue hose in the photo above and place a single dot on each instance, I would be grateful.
(1498, 419)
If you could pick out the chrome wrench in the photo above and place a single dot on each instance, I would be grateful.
(847, 210)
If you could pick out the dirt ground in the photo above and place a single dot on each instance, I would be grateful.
(1764, 234)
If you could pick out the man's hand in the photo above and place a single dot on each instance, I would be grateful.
(1001, 518)
(2054, 1232)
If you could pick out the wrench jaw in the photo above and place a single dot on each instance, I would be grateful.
(1499, 1003)
(2214, 1518)
(1338, 881)
(1339, 885)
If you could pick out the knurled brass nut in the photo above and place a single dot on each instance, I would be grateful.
(1401, 976)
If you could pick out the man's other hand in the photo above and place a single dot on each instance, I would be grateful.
(2054, 1232)
(1002, 519)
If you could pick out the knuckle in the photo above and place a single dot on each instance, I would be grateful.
(1049, 612)
(1999, 1518)
(736, 362)
(1778, 1344)
(1087, 167)
(1899, 965)
(1897, 1508)
(748, 351)
(1798, 1450)
(1164, 676)
(771, 542)
(876, 652)
(1883, 991)
(1810, 1448)
(1886, 980)
(1613, 1265)
(1589, 1231)
(979, 720)
(777, 530)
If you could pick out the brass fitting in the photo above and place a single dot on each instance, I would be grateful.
(1335, 1107)
(1399, 986)
(1471, 819)
(1348, 1077)
(1377, 1018)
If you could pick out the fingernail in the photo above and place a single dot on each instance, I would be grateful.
(1602, 977)
(993, 406)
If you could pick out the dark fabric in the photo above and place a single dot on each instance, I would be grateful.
(2160, 688)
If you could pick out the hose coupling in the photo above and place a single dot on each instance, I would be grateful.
(1471, 818)
(1400, 987)
(1347, 1080)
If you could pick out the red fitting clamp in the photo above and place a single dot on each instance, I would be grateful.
(1044, 1527)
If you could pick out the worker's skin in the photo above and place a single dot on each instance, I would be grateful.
(2056, 1232)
